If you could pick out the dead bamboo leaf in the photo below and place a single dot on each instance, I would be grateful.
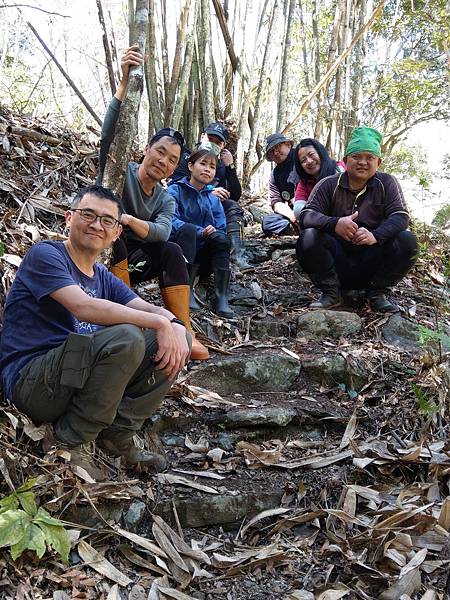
(114, 593)
(177, 480)
(444, 515)
(141, 541)
(169, 549)
(263, 515)
(100, 564)
(415, 562)
(407, 585)
(175, 594)
(349, 432)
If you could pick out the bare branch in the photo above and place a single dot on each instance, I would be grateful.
(34, 8)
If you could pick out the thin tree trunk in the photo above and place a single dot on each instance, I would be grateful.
(108, 57)
(164, 50)
(332, 50)
(316, 39)
(131, 23)
(304, 51)
(357, 77)
(176, 65)
(66, 76)
(262, 78)
(155, 119)
(187, 64)
(284, 80)
(127, 124)
(204, 55)
(325, 79)
(336, 104)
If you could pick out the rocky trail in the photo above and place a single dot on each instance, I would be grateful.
(309, 456)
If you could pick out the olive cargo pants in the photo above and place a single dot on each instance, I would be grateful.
(100, 384)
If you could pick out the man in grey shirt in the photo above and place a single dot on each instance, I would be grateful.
(148, 210)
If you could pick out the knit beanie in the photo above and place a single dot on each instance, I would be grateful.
(364, 139)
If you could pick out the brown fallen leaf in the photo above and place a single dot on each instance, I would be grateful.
(99, 563)
(177, 480)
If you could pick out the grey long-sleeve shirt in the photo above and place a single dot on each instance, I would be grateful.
(158, 209)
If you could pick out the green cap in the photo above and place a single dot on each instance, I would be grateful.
(364, 139)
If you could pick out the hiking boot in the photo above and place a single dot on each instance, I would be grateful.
(328, 282)
(80, 456)
(221, 284)
(379, 303)
(132, 456)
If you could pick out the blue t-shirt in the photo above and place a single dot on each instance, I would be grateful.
(34, 323)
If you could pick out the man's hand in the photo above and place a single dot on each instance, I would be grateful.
(221, 193)
(346, 227)
(208, 231)
(364, 237)
(125, 219)
(173, 349)
(226, 157)
(130, 58)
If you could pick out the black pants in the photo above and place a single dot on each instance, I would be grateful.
(358, 267)
(233, 214)
(212, 252)
(164, 260)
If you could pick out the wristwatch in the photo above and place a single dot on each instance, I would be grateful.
(179, 321)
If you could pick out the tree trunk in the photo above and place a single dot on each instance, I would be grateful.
(127, 124)
(304, 51)
(284, 79)
(106, 46)
(204, 62)
(183, 82)
(262, 78)
(165, 51)
(357, 76)
(176, 65)
(155, 118)
(131, 22)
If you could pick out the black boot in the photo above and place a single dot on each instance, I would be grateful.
(379, 303)
(193, 273)
(237, 256)
(328, 282)
(221, 283)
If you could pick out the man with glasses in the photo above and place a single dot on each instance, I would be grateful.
(354, 229)
(80, 349)
(144, 252)
(281, 189)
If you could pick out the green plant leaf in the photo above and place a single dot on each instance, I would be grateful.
(2, 249)
(28, 502)
(425, 406)
(10, 502)
(27, 485)
(58, 538)
(42, 516)
(13, 525)
(33, 539)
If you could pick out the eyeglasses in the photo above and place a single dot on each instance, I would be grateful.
(89, 216)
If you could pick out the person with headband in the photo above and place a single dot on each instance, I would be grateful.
(199, 225)
(144, 251)
(354, 229)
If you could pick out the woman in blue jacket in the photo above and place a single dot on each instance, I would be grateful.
(199, 227)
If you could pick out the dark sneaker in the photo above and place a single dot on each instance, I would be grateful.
(379, 303)
(78, 456)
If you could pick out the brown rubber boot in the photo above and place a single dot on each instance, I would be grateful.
(176, 299)
(130, 455)
(119, 266)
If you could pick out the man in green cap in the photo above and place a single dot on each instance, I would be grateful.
(354, 229)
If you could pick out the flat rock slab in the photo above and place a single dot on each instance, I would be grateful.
(409, 336)
(328, 323)
(333, 369)
(255, 417)
(257, 372)
(259, 251)
(217, 510)
(271, 328)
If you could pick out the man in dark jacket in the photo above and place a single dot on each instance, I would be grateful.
(281, 186)
(226, 187)
(354, 229)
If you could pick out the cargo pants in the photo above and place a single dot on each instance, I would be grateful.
(103, 384)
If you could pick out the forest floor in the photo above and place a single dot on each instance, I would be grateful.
(309, 457)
